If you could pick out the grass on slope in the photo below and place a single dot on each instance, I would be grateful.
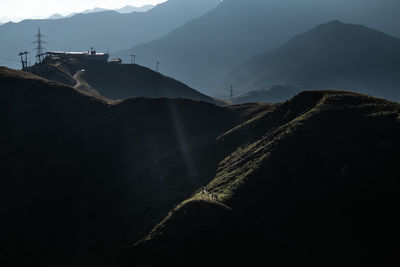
(294, 159)
(246, 160)
(24, 80)
(248, 157)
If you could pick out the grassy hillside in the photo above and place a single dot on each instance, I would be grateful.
(313, 183)
(115, 81)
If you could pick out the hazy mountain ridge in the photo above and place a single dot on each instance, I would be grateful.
(122, 10)
(130, 9)
(201, 52)
(106, 31)
(330, 56)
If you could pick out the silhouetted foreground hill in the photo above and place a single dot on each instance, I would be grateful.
(107, 31)
(82, 176)
(330, 56)
(115, 81)
(311, 182)
(202, 51)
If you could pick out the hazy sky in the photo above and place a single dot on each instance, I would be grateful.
(16, 10)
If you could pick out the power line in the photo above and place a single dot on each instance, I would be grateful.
(179, 70)
(205, 82)
(8, 59)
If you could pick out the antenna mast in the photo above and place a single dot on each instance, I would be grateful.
(133, 59)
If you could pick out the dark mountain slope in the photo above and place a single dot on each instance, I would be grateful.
(207, 232)
(333, 55)
(107, 30)
(82, 177)
(201, 52)
(310, 182)
(315, 183)
(115, 81)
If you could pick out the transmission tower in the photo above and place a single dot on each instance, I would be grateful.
(39, 46)
(231, 91)
(157, 67)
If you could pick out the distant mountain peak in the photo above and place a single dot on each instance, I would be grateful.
(346, 31)
(331, 26)
(333, 55)
(56, 16)
(335, 22)
(94, 10)
(342, 29)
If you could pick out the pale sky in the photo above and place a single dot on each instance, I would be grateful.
(16, 10)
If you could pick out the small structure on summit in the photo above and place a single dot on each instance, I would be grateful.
(87, 55)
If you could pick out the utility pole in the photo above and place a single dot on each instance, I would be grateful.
(133, 59)
(20, 54)
(158, 64)
(26, 58)
(24, 62)
(39, 46)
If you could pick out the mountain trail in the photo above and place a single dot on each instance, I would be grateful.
(81, 84)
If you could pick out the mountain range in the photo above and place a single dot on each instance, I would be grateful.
(88, 181)
(105, 164)
(330, 56)
(201, 52)
(108, 30)
(123, 10)
(130, 9)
